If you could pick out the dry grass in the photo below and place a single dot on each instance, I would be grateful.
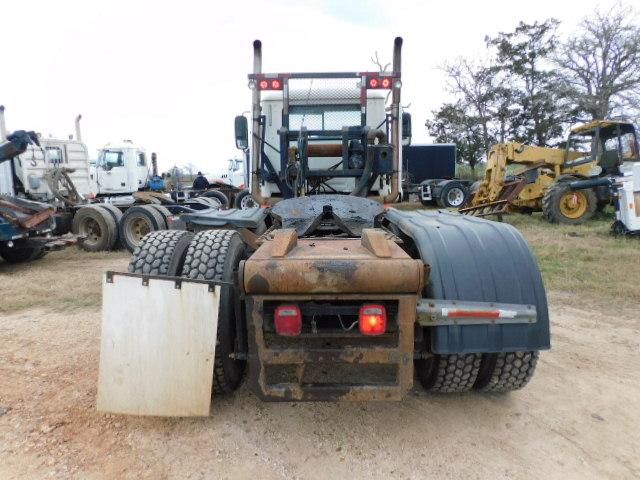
(63, 280)
(585, 260)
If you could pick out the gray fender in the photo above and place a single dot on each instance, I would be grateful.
(480, 260)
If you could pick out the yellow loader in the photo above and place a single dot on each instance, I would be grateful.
(525, 178)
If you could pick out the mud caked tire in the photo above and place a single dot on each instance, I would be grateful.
(138, 221)
(215, 255)
(161, 253)
(98, 226)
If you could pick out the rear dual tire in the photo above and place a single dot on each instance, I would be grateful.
(140, 220)
(489, 372)
(99, 227)
(209, 255)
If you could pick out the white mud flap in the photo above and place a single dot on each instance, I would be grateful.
(157, 346)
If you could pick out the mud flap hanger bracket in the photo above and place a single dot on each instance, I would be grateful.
(177, 280)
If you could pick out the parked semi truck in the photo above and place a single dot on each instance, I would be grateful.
(324, 294)
(429, 171)
(111, 202)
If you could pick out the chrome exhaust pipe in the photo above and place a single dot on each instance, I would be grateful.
(3, 127)
(396, 123)
(78, 133)
(255, 126)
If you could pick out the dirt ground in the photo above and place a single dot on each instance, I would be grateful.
(578, 418)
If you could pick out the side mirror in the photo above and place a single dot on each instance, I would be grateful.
(406, 128)
(242, 132)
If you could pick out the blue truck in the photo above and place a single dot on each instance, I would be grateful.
(429, 172)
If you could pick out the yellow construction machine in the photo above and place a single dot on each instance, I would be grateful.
(525, 178)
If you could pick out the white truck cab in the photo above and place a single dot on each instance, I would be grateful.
(231, 174)
(121, 168)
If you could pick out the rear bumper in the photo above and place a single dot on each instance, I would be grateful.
(282, 372)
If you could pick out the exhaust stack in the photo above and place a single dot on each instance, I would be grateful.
(396, 122)
(154, 164)
(3, 127)
(255, 126)
(78, 133)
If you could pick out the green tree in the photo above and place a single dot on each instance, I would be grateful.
(522, 57)
(452, 124)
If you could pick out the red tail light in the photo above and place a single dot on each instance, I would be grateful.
(376, 82)
(373, 319)
(288, 320)
(270, 84)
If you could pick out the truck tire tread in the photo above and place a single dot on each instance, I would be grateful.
(161, 253)
(452, 373)
(106, 222)
(506, 371)
(214, 255)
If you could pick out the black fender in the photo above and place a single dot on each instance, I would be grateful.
(474, 259)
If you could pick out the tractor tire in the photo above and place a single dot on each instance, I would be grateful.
(215, 255)
(244, 201)
(452, 373)
(137, 222)
(560, 204)
(97, 224)
(217, 195)
(21, 252)
(506, 371)
(164, 212)
(161, 253)
(452, 195)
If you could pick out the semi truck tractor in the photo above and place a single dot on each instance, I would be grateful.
(327, 292)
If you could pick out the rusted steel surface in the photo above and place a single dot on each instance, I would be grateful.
(36, 218)
(331, 266)
(324, 150)
(375, 240)
(400, 355)
(23, 212)
(283, 242)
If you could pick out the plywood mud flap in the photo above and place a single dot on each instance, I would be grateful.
(157, 345)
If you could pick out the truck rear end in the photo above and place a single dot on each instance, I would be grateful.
(326, 296)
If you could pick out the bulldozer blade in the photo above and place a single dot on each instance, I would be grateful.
(157, 346)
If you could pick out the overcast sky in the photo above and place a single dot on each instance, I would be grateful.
(171, 75)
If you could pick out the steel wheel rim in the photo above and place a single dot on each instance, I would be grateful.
(573, 204)
(247, 202)
(137, 228)
(90, 229)
(455, 197)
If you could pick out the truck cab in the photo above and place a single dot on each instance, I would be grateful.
(120, 169)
